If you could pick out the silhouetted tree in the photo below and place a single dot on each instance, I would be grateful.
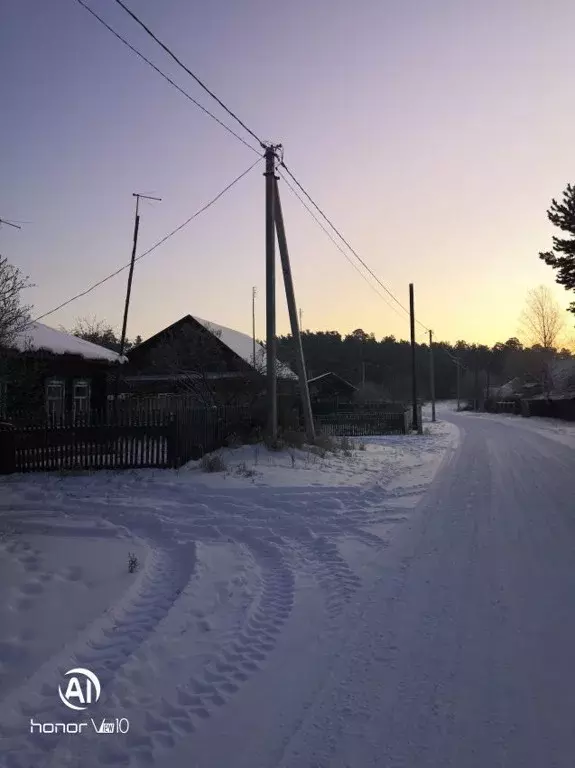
(562, 257)
(542, 318)
(14, 315)
(102, 333)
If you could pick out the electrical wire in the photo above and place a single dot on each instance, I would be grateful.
(342, 238)
(166, 77)
(338, 246)
(189, 71)
(153, 248)
(371, 272)
(261, 143)
(254, 135)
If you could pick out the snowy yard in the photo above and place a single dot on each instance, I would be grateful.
(237, 572)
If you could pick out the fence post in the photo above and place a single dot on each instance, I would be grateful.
(172, 441)
(7, 451)
(419, 420)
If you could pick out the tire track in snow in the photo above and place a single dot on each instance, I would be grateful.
(103, 648)
(182, 711)
(309, 522)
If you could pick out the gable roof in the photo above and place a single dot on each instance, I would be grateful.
(239, 343)
(335, 376)
(37, 337)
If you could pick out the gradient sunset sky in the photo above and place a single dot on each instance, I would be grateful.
(434, 133)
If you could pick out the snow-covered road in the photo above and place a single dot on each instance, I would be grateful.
(462, 653)
(379, 622)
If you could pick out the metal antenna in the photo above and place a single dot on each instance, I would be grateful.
(139, 195)
(10, 224)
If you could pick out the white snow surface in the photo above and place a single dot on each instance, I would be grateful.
(237, 575)
(411, 607)
(242, 345)
(38, 336)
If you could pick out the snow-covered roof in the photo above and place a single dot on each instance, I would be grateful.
(242, 345)
(38, 336)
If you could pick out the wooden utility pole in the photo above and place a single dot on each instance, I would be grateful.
(129, 286)
(254, 292)
(458, 384)
(271, 372)
(476, 382)
(132, 262)
(431, 376)
(413, 357)
(293, 314)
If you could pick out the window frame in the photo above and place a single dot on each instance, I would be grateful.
(54, 381)
(83, 382)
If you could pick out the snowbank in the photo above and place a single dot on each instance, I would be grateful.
(378, 461)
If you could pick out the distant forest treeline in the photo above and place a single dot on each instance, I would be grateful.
(385, 365)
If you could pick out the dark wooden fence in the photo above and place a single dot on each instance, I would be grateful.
(198, 431)
(327, 406)
(123, 440)
(364, 423)
(554, 409)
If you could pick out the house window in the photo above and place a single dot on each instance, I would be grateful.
(81, 398)
(55, 394)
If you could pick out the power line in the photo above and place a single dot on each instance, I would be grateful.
(338, 246)
(166, 77)
(342, 238)
(156, 245)
(196, 78)
(252, 133)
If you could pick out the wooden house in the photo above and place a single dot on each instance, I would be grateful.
(50, 374)
(330, 391)
(209, 363)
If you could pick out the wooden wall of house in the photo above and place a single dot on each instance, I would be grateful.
(26, 377)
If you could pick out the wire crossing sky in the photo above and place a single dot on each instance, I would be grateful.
(433, 134)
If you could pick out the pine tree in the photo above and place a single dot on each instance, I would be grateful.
(562, 215)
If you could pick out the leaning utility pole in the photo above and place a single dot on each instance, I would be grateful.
(271, 372)
(413, 358)
(129, 287)
(293, 315)
(431, 376)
